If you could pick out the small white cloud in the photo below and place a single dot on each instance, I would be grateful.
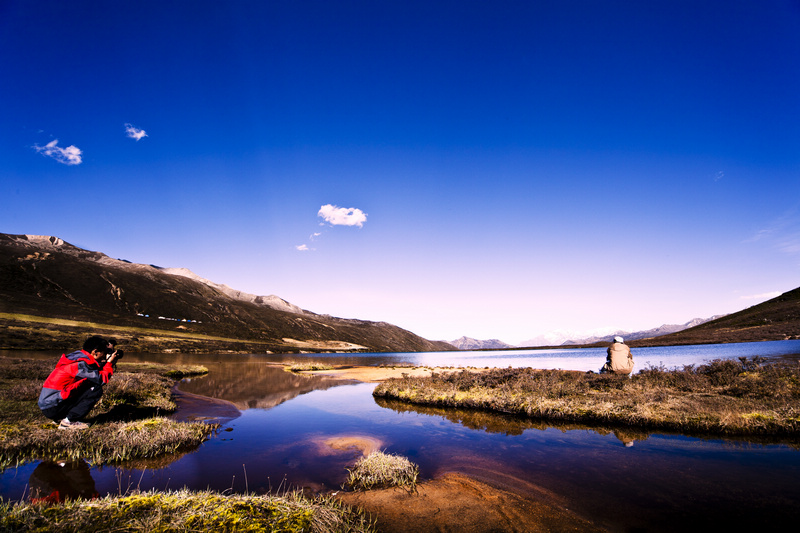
(342, 216)
(71, 155)
(764, 296)
(133, 132)
(302, 247)
(719, 176)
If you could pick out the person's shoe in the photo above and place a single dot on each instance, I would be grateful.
(66, 424)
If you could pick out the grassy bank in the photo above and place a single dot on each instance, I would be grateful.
(187, 511)
(731, 397)
(128, 421)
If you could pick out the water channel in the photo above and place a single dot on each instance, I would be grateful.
(275, 438)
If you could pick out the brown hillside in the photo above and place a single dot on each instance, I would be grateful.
(48, 278)
(776, 319)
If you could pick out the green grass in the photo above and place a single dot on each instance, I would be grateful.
(185, 511)
(380, 470)
(723, 397)
(128, 421)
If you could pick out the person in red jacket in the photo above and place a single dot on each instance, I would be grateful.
(76, 384)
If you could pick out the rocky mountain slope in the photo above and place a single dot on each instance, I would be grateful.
(49, 287)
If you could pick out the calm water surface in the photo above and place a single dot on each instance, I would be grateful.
(625, 480)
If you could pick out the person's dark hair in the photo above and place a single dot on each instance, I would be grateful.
(95, 343)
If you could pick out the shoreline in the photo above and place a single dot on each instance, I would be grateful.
(377, 374)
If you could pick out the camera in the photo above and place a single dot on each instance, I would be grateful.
(112, 343)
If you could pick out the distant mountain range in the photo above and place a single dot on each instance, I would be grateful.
(775, 319)
(466, 343)
(52, 293)
(665, 329)
(563, 338)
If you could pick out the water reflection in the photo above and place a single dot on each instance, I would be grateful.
(506, 424)
(254, 384)
(55, 482)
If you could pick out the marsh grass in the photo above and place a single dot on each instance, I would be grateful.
(728, 397)
(185, 511)
(128, 421)
(308, 367)
(380, 470)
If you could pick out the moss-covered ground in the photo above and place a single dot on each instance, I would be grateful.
(185, 511)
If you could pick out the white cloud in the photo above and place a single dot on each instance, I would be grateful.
(71, 155)
(302, 248)
(134, 132)
(764, 296)
(342, 216)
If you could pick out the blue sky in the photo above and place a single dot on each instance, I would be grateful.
(490, 169)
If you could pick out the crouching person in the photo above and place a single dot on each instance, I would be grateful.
(619, 359)
(76, 384)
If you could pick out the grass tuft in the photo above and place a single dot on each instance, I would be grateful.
(380, 470)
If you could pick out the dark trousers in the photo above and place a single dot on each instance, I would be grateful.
(78, 405)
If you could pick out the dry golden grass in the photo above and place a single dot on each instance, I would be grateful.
(380, 470)
(739, 397)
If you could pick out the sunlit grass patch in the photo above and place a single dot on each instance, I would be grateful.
(379, 469)
(170, 371)
(185, 511)
(309, 367)
(101, 443)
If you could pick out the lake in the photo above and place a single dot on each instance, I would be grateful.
(625, 480)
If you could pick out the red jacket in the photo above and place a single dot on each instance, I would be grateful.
(70, 372)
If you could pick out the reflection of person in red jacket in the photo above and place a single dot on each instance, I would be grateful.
(57, 482)
(76, 384)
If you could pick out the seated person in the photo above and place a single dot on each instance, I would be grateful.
(619, 359)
